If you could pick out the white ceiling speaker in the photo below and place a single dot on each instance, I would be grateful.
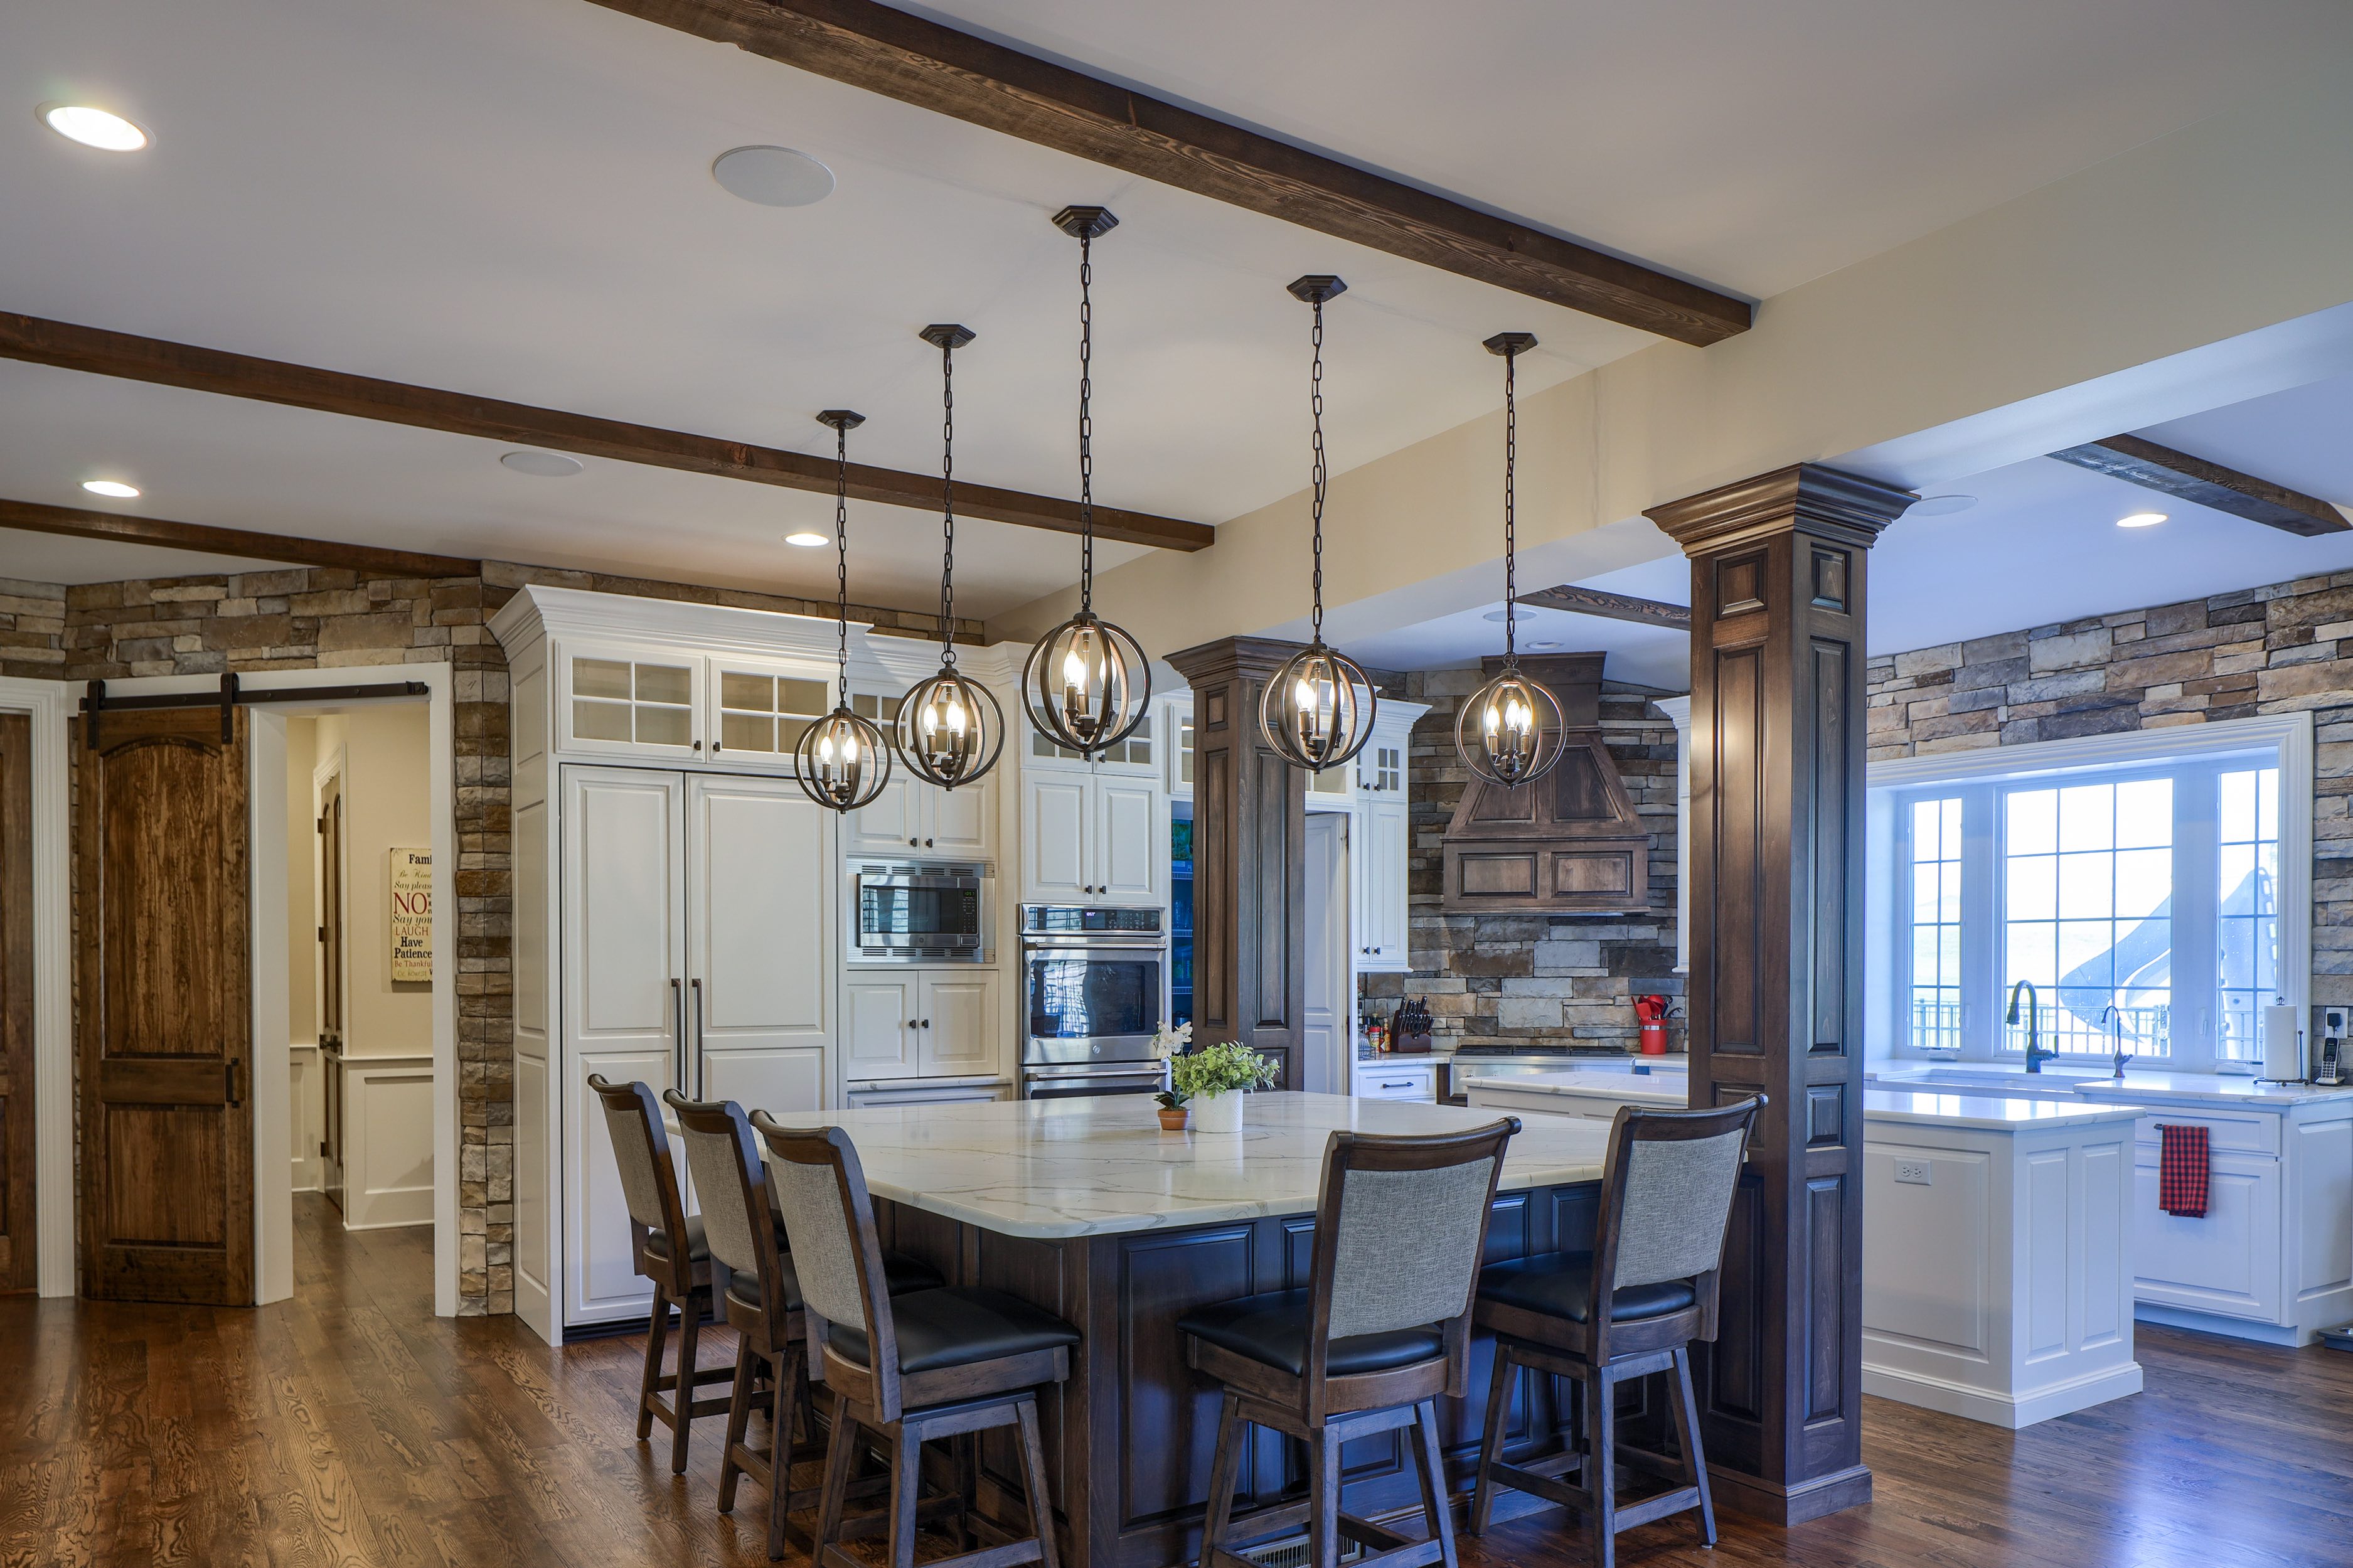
(541, 465)
(773, 176)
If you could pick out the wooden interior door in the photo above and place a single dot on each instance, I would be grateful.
(330, 990)
(161, 884)
(18, 1248)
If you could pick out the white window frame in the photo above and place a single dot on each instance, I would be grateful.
(2280, 740)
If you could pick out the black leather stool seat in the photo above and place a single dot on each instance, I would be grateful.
(954, 1328)
(1273, 1328)
(1560, 1285)
(697, 1247)
(903, 1272)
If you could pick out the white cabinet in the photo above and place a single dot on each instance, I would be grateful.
(929, 1094)
(922, 1023)
(1177, 725)
(910, 818)
(759, 708)
(1091, 835)
(2228, 1261)
(623, 702)
(1378, 1079)
(1379, 869)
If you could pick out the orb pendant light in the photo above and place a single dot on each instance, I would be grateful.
(950, 727)
(1510, 731)
(1087, 683)
(844, 761)
(1317, 710)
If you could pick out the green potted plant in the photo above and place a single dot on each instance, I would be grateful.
(1212, 1080)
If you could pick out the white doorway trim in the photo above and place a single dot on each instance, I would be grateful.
(48, 702)
(270, 961)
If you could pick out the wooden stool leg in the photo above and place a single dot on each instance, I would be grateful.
(1491, 1441)
(1033, 1482)
(1323, 1499)
(682, 1393)
(657, 1336)
(739, 1416)
(784, 1372)
(1434, 1501)
(906, 1482)
(1694, 1457)
(1600, 1464)
(840, 1449)
(1225, 1475)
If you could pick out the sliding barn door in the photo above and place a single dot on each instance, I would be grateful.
(16, 1214)
(165, 1017)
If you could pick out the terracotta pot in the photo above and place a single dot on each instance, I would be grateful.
(1173, 1119)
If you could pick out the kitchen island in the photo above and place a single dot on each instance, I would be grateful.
(1086, 1208)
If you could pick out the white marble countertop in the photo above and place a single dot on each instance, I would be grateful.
(1986, 1112)
(2137, 1084)
(1058, 1168)
(1661, 1088)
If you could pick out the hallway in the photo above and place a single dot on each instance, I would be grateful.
(350, 1426)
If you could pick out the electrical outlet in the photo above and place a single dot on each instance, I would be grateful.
(1914, 1171)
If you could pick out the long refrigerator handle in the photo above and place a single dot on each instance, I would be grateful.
(698, 1069)
(678, 1035)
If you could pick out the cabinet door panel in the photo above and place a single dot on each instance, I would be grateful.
(879, 1041)
(616, 700)
(1055, 831)
(625, 892)
(1129, 851)
(962, 821)
(891, 823)
(602, 1281)
(2227, 1262)
(1385, 913)
(775, 1081)
(959, 1033)
(760, 926)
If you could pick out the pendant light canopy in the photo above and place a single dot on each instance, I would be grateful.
(1087, 684)
(1510, 731)
(1317, 710)
(950, 727)
(844, 762)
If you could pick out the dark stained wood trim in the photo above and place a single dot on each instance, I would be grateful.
(99, 352)
(2212, 485)
(918, 61)
(1580, 600)
(19, 1218)
(202, 537)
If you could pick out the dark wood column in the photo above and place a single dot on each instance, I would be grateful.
(1775, 987)
(1249, 856)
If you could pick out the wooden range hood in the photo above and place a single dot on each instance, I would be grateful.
(1570, 843)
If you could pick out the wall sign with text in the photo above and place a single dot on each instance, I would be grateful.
(410, 879)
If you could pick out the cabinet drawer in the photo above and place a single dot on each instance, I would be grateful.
(1376, 1081)
(2232, 1132)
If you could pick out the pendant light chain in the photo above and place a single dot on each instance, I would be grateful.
(1086, 422)
(1510, 527)
(1315, 506)
(841, 553)
(947, 503)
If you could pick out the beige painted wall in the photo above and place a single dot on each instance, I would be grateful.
(2186, 273)
(386, 805)
(301, 871)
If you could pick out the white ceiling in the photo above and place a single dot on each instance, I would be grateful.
(2039, 546)
(515, 200)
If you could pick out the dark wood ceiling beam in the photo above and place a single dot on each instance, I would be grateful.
(102, 352)
(204, 539)
(1580, 600)
(922, 62)
(2212, 485)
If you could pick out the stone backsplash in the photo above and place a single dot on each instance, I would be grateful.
(2259, 650)
(1546, 982)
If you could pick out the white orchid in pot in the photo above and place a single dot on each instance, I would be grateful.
(1212, 1080)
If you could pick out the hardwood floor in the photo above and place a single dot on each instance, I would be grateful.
(350, 1426)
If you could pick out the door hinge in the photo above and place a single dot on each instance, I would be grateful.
(322, 933)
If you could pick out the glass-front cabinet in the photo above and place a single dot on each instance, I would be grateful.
(618, 700)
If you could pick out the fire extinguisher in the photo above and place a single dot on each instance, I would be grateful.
(1652, 1013)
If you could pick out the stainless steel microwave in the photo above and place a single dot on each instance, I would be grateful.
(928, 912)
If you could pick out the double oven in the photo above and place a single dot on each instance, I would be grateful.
(1094, 979)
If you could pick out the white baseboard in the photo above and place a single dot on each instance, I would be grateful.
(2215, 1323)
(2007, 1410)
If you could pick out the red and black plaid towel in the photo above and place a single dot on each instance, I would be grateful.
(2181, 1167)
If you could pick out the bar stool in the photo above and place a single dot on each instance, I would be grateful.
(667, 1246)
(935, 1364)
(763, 1301)
(1382, 1329)
(1629, 1308)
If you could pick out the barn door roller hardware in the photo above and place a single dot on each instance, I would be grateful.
(230, 695)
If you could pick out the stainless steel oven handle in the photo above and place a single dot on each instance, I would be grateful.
(1045, 1072)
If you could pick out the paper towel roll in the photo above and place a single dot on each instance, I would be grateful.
(2283, 1048)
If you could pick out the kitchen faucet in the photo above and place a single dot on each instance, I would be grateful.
(2035, 1055)
(2114, 1017)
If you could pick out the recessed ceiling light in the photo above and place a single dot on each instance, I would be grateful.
(1941, 506)
(773, 176)
(2141, 520)
(541, 465)
(807, 541)
(114, 488)
(1546, 644)
(1520, 614)
(97, 127)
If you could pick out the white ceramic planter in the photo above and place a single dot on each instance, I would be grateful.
(1218, 1112)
